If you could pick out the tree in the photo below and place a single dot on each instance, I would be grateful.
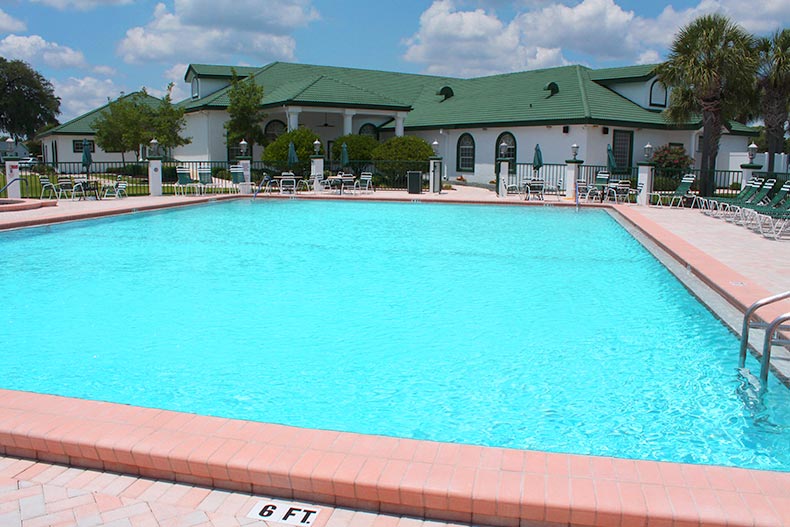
(125, 124)
(245, 112)
(276, 153)
(406, 148)
(762, 141)
(710, 69)
(27, 99)
(359, 147)
(168, 121)
(773, 85)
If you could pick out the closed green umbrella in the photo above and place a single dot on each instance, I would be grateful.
(344, 155)
(87, 159)
(293, 159)
(537, 160)
(611, 164)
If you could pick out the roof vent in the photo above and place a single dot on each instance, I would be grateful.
(553, 88)
(445, 92)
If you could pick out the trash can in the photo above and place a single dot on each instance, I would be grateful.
(414, 182)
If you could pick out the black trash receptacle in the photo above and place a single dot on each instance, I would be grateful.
(414, 182)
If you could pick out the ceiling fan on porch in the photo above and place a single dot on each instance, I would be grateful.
(326, 123)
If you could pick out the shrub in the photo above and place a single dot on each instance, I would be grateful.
(276, 154)
(134, 170)
(43, 170)
(359, 147)
(406, 148)
(672, 161)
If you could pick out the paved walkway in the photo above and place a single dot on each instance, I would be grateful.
(36, 494)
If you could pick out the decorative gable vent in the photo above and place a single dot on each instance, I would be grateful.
(552, 87)
(445, 92)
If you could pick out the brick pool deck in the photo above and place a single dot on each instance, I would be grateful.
(401, 479)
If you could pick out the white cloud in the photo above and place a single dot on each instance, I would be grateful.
(186, 35)
(9, 24)
(456, 41)
(34, 49)
(104, 70)
(82, 5)
(82, 95)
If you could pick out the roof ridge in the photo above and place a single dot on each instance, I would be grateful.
(583, 91)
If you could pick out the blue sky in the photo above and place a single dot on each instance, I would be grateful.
(94, 49)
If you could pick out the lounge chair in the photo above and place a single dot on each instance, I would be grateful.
(118, 190)
(773, 223)
(185, 181)
(758, 198)
(746, 213)
(205, 179)
(48, 186)
(710, 205)
(237, 179)
(678, 196)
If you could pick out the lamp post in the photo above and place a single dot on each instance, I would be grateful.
(243, 147)
(648, 152)
(503, 149)
(751, 152)
(574, 151)
(153, 148)
(316, 146)
(435, 146)
(317, 167)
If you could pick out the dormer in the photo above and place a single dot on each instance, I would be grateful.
(639, 84)
(205, 79)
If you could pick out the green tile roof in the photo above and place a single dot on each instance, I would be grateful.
(625, 73)
(218, 71)
(83, 125)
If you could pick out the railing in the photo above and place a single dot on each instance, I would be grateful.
(219, 181)
(387, 175)
(552, 173)
(106, 173)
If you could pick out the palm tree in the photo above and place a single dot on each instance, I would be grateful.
(773, 84)
(710, 70)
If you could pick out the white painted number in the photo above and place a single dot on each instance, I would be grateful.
(284, 512)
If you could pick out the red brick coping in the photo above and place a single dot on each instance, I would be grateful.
(445, 481)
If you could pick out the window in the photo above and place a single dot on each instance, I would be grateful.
(510, 152)
(623, 147)
(658, 95)
(678, 146)
(195, 88)
(273, 130)
(76, 146)
(465, 156)
(369, 130)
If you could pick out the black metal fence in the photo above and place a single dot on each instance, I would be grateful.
(104, 174)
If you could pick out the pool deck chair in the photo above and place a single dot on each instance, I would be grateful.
(49, 187)
(747, 213)
(205, 179)
(681, 193)
(118, 190)
(598, 189)
(365, 183)
(237, 179)
(729, 209)
(185, 181)
(711, 205)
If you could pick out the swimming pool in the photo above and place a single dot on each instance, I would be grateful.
(526, 328)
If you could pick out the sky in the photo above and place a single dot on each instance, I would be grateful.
(95, 50)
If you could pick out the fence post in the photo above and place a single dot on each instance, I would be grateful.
(11, 172)
(435, 171)
(246, 168)
(645, 178)
(316, 171)
(572, 174)
(748, 169)
(155, 176)
(503, 171)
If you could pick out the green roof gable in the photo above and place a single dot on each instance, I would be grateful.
(83, 125)
(217, 71)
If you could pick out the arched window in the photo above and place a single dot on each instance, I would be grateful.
(465, 155)
(369, 130)
(658, 94)
(510, 151)
(273, 130)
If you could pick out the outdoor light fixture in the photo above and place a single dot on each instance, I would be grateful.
(574, 150)
(243, 147)
(435, 146)
(154, 146)
(9, 143)
(752, 150)
(316, 146)
(502, 149)
(648, 151)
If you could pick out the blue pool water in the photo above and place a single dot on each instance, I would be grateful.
(504, 326)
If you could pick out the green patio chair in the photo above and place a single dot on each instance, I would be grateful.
(746, 213)
(598, 189)
(681, 193)
(757, 198)
(710, 205)
(185, 181)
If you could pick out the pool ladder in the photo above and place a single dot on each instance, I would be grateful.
(772, 336)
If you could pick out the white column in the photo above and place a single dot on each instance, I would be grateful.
(572, 173)
(504, 169)
(348, 126)
(11, 172)
(399, 118)
(293, 117)
(645, 178)
(435, 171)
(246, 168)
(155, 177)
(316, 172)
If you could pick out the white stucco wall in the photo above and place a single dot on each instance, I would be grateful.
(66, 154)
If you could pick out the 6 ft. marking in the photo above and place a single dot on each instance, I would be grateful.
(284, 512)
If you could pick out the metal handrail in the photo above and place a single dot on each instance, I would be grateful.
(21, 180)
(746, 322)
(766, 358)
